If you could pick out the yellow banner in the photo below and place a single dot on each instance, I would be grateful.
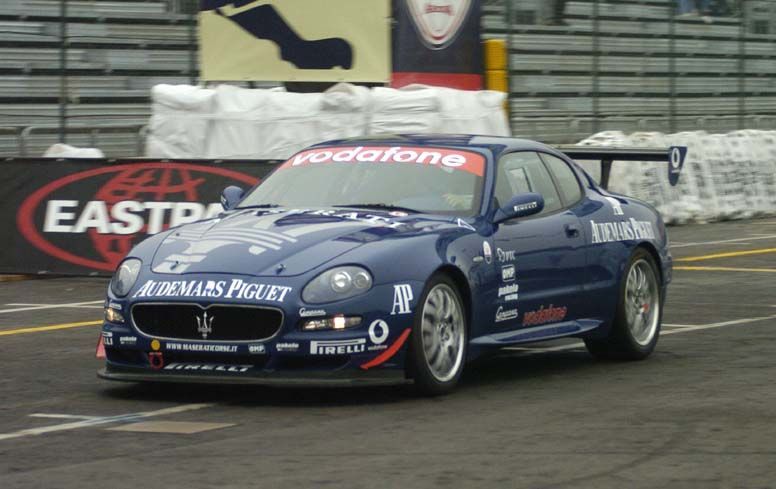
(296, 40)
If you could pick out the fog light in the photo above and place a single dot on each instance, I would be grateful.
(113, 316)
(337, 322)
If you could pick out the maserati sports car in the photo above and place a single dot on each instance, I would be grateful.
(395, 260)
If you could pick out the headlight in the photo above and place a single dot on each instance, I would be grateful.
(125, 277)
(337, 284)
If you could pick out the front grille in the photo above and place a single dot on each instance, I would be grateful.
(226, 323)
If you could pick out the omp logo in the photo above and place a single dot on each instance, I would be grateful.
(93, 218)
(438, 22)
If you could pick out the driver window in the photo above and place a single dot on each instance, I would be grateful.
(523, 172)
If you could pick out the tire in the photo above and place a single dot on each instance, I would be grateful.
(437, 352)
(636, 326)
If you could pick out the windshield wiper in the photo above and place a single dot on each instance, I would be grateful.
(380, 205)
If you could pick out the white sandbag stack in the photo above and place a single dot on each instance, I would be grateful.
(262, 124)
(472, 112)
(413, 109)
(60, 150)
(240, 123)
(180, 121)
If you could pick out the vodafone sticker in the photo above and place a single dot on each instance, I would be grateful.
(443, 158)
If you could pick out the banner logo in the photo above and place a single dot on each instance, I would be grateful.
(93, 218)
(438, 22)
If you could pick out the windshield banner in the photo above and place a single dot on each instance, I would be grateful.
(81, 217)
(434, 157)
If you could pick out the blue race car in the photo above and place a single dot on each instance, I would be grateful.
(395, 259)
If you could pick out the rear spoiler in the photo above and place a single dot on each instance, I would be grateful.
(674, 156)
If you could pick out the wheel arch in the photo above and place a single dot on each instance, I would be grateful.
(650, 248)
(460, 281)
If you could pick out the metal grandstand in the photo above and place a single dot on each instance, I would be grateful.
(635, 65)
(616, 64)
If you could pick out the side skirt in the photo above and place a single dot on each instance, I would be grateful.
(538, 333)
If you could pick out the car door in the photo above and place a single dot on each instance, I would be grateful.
(540, 260)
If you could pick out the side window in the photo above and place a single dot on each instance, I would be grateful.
(523, 172)
(567, 181)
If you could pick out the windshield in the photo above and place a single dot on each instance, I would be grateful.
(420, 179)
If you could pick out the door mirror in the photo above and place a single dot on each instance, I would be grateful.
(231, 196)
(520, 206)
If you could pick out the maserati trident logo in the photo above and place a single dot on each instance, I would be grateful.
(205, 325)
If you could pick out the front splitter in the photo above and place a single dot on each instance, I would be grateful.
(289, 379)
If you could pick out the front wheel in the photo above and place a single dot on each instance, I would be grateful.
(636, 327)
(438, 341)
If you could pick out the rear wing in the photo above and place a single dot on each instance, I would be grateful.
(674, 156)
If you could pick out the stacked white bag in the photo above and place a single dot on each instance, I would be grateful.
(180, 121)
(725, 176)
(239, 123)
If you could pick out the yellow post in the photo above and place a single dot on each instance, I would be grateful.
(496, 74)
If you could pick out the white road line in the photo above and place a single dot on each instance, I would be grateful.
(61, 416)
(736, 240)
(720, 325)
(37, 307)
(677, 328)
(86, 423)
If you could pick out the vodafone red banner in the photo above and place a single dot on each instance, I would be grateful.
(427, 156)
(83, 216)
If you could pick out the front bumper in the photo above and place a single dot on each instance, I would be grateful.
(346, 378)
(370, 353)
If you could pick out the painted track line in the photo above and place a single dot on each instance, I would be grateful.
(729, 254)
(86, 423)
(736, 240)
(53, 327)
(37, 307)
(725, 269)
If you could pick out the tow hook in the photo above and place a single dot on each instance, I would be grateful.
(156, 360)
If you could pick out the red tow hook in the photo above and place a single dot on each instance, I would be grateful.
(156, 360)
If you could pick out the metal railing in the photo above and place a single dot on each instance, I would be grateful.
(106, 136)
(60, 30)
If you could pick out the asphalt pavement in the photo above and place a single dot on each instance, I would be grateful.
(700, 413)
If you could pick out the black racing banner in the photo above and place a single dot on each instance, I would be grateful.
(437, 42)
(81, 217)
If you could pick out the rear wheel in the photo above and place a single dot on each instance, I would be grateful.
(636, 327)
(438, 342)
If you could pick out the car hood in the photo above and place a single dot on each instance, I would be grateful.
(278, 242)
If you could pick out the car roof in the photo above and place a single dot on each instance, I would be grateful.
(495, 144)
